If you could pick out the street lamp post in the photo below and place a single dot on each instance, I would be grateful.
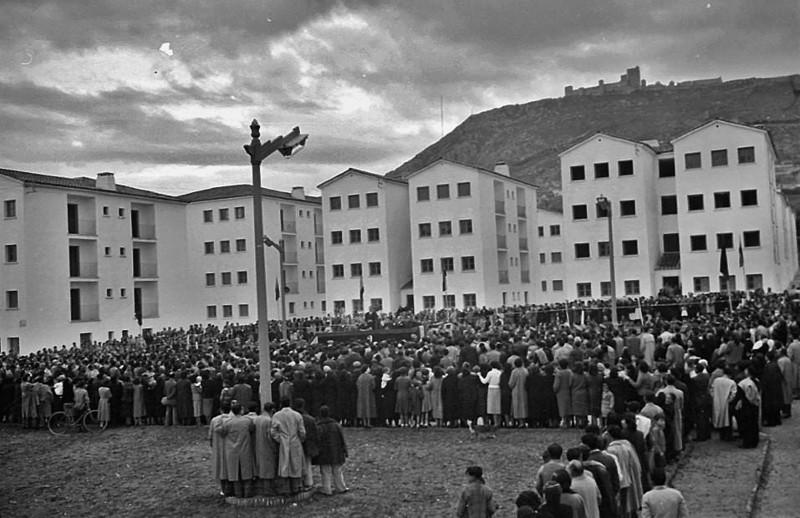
(287, 145)
(605, 204)
(282, 258)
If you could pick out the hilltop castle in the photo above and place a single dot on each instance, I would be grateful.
(632, 81)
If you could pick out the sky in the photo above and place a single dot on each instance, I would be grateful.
(162, 93)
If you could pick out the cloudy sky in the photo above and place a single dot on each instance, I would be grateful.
(89, 86)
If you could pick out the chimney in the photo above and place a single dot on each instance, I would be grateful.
(502, 168)
(106, 182)
(298, 193)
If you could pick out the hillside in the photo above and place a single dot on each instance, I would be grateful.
(529, 136)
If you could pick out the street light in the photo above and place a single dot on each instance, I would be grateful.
(258, 152)
(282, 258)
(604, 204)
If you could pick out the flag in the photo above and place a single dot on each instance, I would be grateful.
(444, 280)
(361, 289)
(277, 289)
(741, 255)
(723, 263)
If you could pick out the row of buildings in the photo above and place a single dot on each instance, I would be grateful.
(83, 258)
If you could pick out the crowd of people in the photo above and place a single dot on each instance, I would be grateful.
(683, 368)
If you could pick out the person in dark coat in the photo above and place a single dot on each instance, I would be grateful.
(468, 389)
(348, 397)
(310, 443)
(301, 387)
(702, 403)
(329, 386)
(537, 408)
(184, 395)
(451, 400)
(771, 391)
(332, 452)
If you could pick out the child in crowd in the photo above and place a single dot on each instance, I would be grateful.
(606, 404)
(476, 498)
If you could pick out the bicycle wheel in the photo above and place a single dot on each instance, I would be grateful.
(59, 423)
(91, 423)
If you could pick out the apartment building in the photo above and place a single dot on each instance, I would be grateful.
(84, 257)
(550, 258)
(366, 235)
(221, 261)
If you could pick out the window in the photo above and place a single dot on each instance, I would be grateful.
(692, 161)
(109, 293)
(605, 288)
(449, 301)
(224, 214)
(558, 285)
(600, 211)
(227, 311)
(601, 170)
(751, 238)
(374, 269)
(666, 168)
(448, 264)
(468, 263)
(241, 277)
(602, 249)
(211, 279)
(336, 237)
(107, 251)
(555, 257)
(584, 289)
(291, 308)
(669, 205)
(241, 245)
(443, 191)
(470, 300)
(106, 211)
(11, 253)
(373, 235)
(424, 230)
(754, 281)
(555, 230)
(244, 310)
(225, 247)
(122, 293)
(695, 201)
(355, 270)
(579, 212)
(355, 236)
(377, 304)
(581, 250)
(226, 278)
(211, 311)
(697, 243)
(372, 199)
(12, 299)
(428, 301)
(209, 247)
(701, 284)
(464, 189)
(338, 271)
(121, 212)
(630, 247)
(631, 287)
(353, 201)
(577, 173)
(423, 193)
(722, 200)
(10, 208)
(338, 307)
(542, 258)
(749, 197)
(747, 155)
(335, 202)
(238, 213)
(625, 167)
(465, 226)
(426, 265)
(544, 285)
(122, 251)
(445, 228)
(719, 157)
(540, 230)
(672, 242)
(627, 207)
(724, 240)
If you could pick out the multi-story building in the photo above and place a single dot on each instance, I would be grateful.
(219, 226)
(83, 258)
(473, 233)
(550, 257)
(366, 241)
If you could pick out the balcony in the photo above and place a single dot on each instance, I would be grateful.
(320, 286)
(523, 243)
(144, 232)
(85, 313)
(82, 227)
(318, 229)
(289, 227)
(502, 276)
(499, 206)
(525, 276)
(290, 257)
(319, 256)
(522, 211)
(145, 270)
(501, 241)
(83, 270)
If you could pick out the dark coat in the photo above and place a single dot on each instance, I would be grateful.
(332, 446)
(311, 443)
(450, 398)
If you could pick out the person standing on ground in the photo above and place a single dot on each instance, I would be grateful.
(663, 501)
(266, 452)
(219, 467)
(239, 451)
(332, 452)
(171, 400)
(476, 498)
(310, 443)
(289, 431)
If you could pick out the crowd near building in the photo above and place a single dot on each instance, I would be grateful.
(450, 235)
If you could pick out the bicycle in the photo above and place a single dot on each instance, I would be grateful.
(62, 422)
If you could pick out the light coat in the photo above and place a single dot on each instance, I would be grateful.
(290, 432)
(239, 458)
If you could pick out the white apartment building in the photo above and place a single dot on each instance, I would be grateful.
(550, 257)
(673, 211)
(473, 236)
(366, 236)
(221, 261)
(82, 257)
